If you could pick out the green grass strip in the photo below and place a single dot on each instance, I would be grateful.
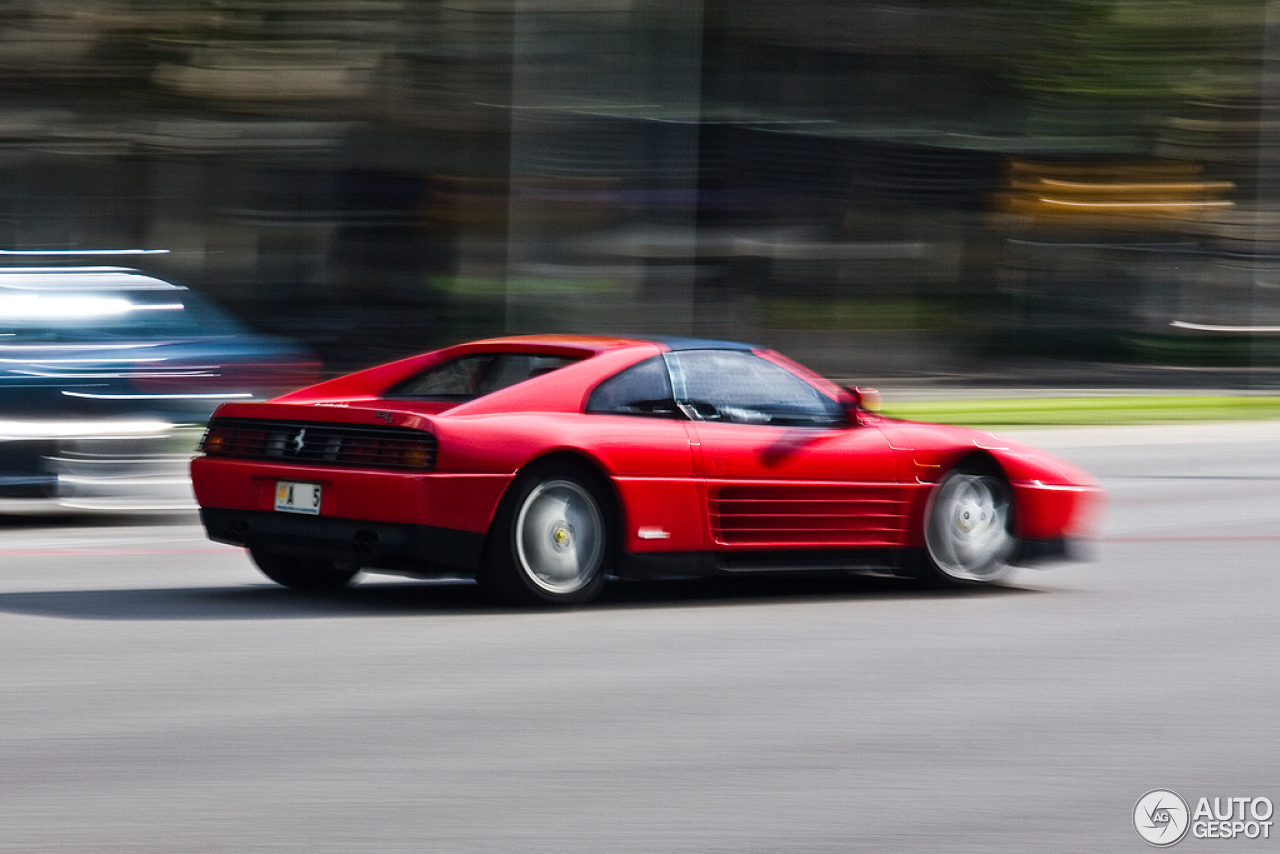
(1073, 411)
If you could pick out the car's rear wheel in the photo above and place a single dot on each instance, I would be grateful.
(969, 527)
(550, 540)
(312, 574)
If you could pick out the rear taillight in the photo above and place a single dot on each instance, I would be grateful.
(223, 439)
(213, 442)
(408, 454)
(306, 443)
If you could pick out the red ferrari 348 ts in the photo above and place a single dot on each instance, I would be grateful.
(544, 465)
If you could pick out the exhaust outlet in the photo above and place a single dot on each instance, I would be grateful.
(365, 542)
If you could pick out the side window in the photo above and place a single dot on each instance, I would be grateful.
(742, 388)
(475, 375)
(643, 389)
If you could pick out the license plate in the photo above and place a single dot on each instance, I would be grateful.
(292, 497)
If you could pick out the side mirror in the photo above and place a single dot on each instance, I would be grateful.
(866, 399)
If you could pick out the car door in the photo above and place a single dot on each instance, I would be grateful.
(779, 464)
(647, 445)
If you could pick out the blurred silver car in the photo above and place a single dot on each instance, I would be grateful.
(107, 376)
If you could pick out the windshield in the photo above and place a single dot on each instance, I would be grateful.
(742, 388)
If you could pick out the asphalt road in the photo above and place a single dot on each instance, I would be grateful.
(156, 695)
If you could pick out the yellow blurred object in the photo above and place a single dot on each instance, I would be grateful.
(1128, 195)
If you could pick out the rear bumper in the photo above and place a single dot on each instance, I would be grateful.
(415, 549)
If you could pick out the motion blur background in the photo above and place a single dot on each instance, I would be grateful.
(984, 190)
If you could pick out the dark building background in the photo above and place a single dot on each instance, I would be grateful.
(998, 191)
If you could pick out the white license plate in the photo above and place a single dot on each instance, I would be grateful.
(293, 497)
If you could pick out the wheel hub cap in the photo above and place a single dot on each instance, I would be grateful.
(968, 536)
(971, 518)
(560, 537)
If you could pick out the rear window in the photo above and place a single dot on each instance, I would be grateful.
(475, 375)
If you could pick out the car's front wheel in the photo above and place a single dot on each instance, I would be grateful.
(311, 574)
(969, 527)
(550, 540)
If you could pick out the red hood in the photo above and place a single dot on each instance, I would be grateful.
(928, 449)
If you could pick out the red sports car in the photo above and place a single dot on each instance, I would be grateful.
(544, 465)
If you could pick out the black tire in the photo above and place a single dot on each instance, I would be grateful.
(311, 574)
(551, 539)
(968, 529)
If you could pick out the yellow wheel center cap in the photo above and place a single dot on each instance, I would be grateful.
(970, 519)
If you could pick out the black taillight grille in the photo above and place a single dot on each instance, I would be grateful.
(317, 443)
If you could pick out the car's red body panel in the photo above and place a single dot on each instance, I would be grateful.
(1053, 497)
(681, 486)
